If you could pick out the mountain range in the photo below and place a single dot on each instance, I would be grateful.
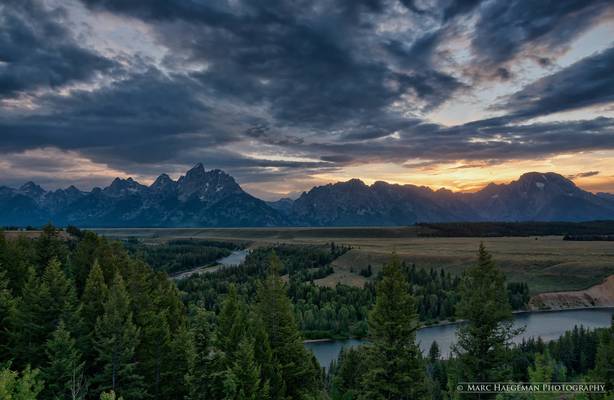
(214, 199)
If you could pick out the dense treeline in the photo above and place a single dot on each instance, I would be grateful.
(483, 352)
(590, 238)
(83, 319)
(493, 229)
(180, 255)
(340, 311)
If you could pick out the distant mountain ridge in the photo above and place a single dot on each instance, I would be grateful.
(214, 199)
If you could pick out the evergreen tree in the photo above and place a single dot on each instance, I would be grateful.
(63, 303)
(299, 370)
(7, 315)
(155, 345)
(231, 323)
(207, 369)
(434, 352)
(483, 341)
(348, 373)
(24, 387)
(177, 365)
(83, 259)
(109, 396)
(94, 296)
(64, 372)
(115, 340)
(31, 323)
(395, 369)
(270, 375)
(247, 373)
(92, 307)
(50, 246)
(604, 362)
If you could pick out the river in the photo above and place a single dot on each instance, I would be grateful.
(547, 325)
(235, 258)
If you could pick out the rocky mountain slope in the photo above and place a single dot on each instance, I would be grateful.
(200, 198)
(213, 198)
(533, 197)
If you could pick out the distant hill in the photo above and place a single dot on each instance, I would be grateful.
(214, 199)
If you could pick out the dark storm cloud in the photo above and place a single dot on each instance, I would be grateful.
(37, 51)
(495, 142)
(339, 82)
(588, 82)
(145, 118)
(316, 63)
(506, 28)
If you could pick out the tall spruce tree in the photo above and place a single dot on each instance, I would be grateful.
(94, 296)
(203, 377)
(64, 373)
(604, 360)
(299, 371)
(231, 323)
(247, 373)
(155, 345)
(7, 315)
(115, 340)
(178, 363)
(483, 341)
(395, 369)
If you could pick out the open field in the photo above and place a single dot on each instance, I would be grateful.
(547, 263)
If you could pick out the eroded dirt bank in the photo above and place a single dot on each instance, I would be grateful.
(601, 295)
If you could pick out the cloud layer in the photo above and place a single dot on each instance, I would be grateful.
(278, 91)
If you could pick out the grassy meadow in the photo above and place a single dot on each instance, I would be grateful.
(547, 263)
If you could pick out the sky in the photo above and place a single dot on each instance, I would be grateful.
(288, 94)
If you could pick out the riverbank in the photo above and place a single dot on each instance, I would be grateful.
(600, 295)
(548, 325)
(456, 322)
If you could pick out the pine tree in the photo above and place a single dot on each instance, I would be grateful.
(483, 341)
(24, 387)
(231, 323)
(395, 369)
(7, 315)
(604, 360)
(155, 345)
(64, 372)
(63, 303)
(209, 376)
(94, 296)
(50, 246)
(299, 370)
(30, 323)
(177, 365)
(434, 352)
(83, 258)
(115, 340)
(247, 373)
(270, 375)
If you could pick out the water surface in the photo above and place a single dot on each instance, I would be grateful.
(547, 325)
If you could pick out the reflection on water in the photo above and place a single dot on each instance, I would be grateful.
(548, 325)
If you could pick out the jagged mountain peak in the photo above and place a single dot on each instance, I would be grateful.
(214, 198)
(32, 189)
(196, 170)
(161, 181)
(121, 187)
